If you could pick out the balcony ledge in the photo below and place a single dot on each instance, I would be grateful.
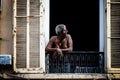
(55, 76)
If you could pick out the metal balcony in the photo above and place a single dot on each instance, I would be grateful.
(76, 62)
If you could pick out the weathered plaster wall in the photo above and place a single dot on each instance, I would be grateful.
(6, 27)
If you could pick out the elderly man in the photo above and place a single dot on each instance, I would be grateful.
(60, 43)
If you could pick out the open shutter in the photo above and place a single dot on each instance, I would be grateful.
(29, 36)
(113, 36)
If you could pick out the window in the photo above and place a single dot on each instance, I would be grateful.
(79, 21)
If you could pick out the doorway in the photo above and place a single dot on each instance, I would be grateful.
(81, 19)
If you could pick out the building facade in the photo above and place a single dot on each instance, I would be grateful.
(23, 36)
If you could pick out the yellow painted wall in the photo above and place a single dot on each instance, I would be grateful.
(6, 27)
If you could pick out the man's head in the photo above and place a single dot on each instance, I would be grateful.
(61, 30)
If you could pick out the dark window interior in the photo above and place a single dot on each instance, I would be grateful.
(82, 20)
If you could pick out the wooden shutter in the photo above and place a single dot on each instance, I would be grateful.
(113, 35)
(29, 32)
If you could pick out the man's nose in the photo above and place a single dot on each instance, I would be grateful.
(64, 32)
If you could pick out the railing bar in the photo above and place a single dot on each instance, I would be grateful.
(58, 64)
(63, 65)
(82, 52)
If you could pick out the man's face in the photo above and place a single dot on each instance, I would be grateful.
(63, 33)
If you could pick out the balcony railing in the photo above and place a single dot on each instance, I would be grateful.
(76, 62)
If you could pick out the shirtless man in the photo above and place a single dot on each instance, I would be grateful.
(60, 43)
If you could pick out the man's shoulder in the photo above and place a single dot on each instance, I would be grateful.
(68, 35)
(53, 37)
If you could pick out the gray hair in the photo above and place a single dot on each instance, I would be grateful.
(59, 28)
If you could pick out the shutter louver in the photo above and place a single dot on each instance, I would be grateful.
(34, 34)
(115, 34)
(21, 34)
(21, 42)
(115, 53)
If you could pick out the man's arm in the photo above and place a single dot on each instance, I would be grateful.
(70, 44)
(49, 45)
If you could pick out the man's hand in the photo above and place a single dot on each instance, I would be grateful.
(59, 51)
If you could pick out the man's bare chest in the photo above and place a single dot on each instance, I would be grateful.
(61, 43)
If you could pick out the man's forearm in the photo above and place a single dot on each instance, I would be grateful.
(67, 49)
(50, 49)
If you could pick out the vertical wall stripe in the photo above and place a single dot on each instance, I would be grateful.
(42, 34)
(101, 26)
(27, 35)
(108, 35)
(14, 35)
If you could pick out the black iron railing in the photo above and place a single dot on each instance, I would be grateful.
(76, 62)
